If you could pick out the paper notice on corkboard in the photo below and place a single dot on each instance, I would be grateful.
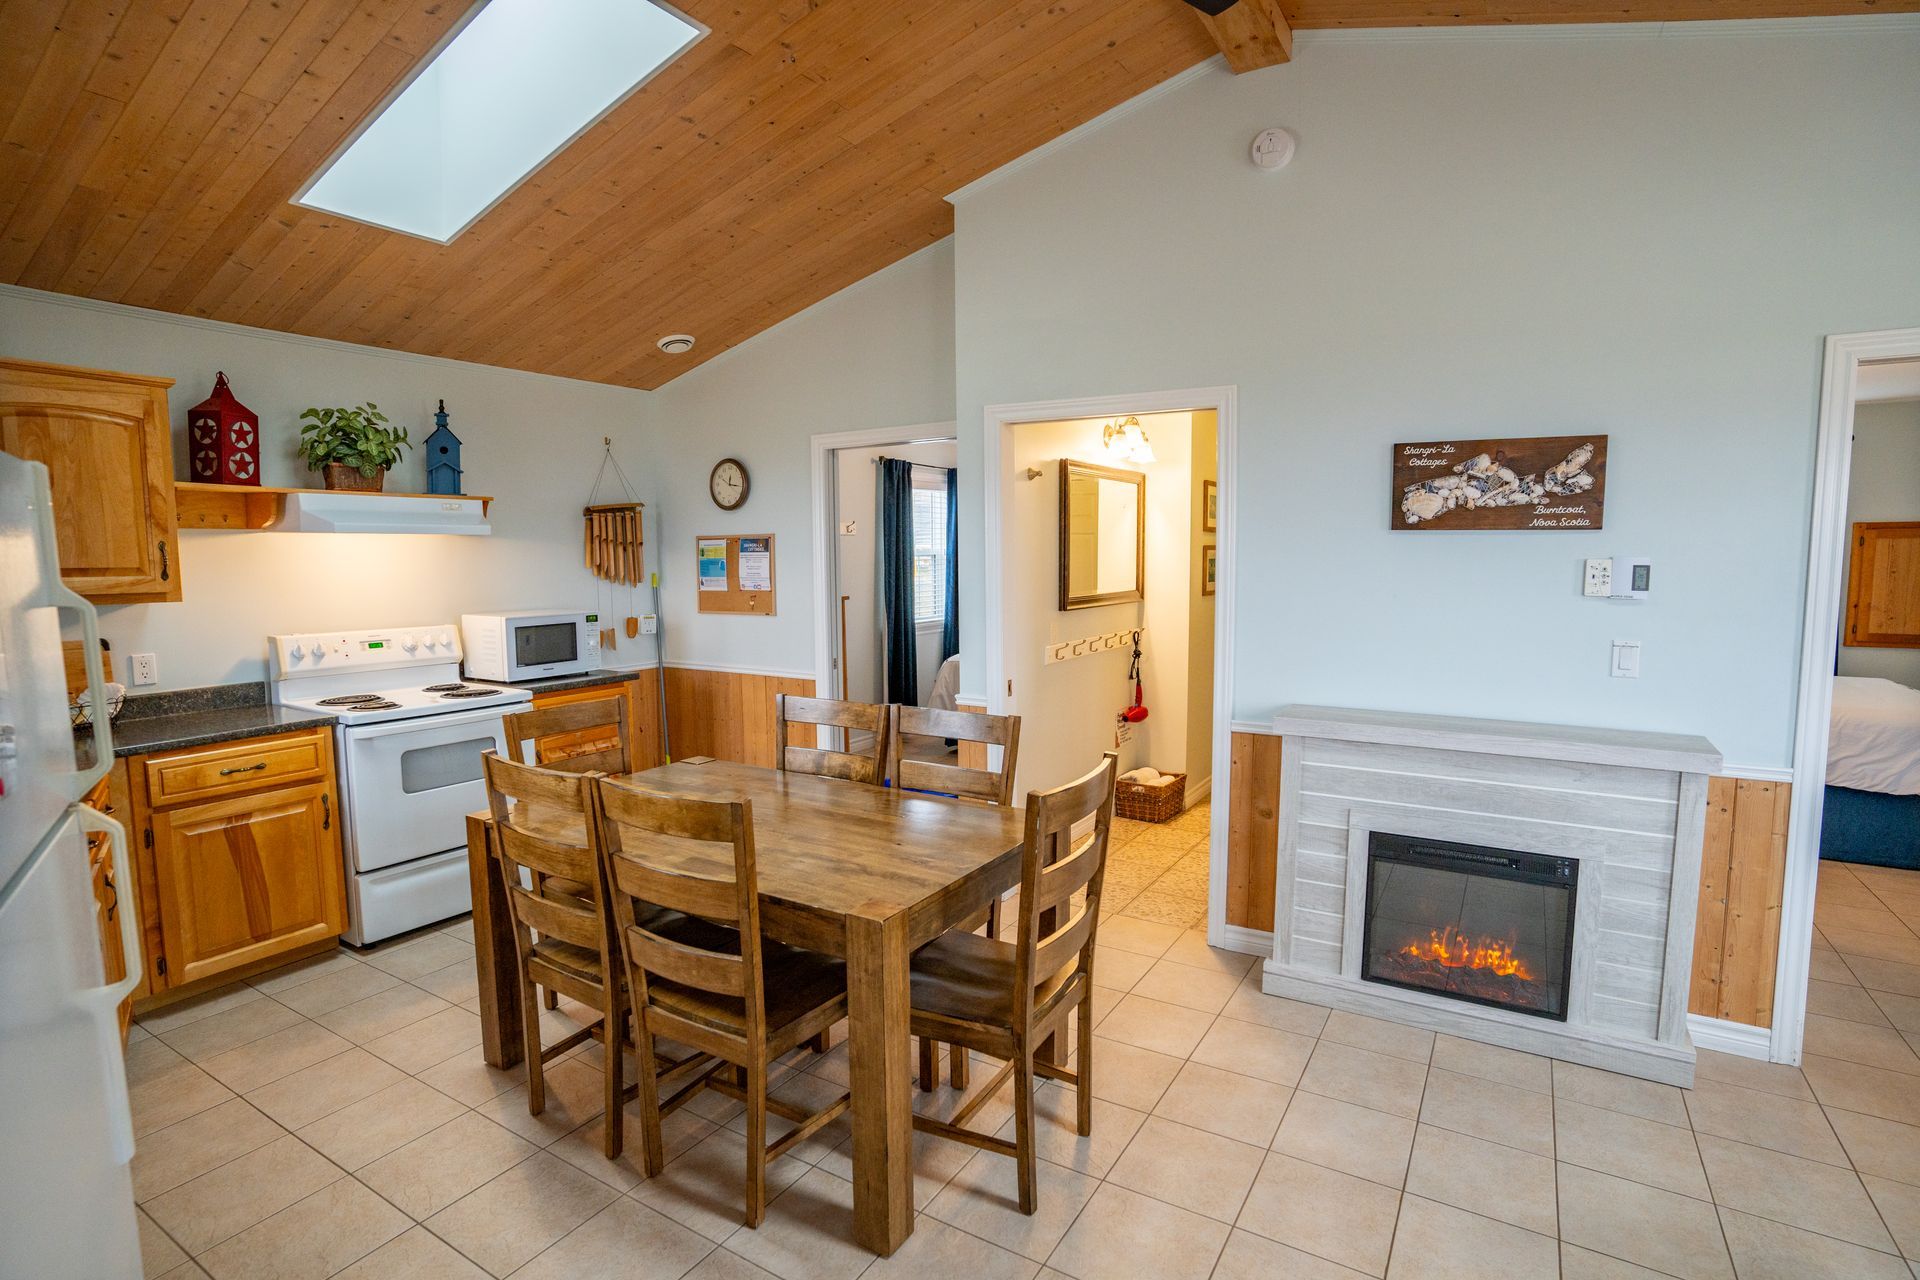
(1536, 482)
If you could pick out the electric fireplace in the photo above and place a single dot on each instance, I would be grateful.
(1485, 925)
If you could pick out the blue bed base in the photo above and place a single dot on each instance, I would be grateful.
(1871, 827)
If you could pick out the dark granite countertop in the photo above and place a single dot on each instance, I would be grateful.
(196, 717)
(586, 680)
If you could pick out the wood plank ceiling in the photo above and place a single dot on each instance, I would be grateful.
(150, 148)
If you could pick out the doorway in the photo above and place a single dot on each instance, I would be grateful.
(883, 567)
(1061, 653)
(1850, 919)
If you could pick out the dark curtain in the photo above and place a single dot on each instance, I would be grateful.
(896, 578)
(950, 633)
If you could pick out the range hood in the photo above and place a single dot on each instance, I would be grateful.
(346, 511)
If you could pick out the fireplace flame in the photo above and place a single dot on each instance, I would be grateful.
(1452, 950)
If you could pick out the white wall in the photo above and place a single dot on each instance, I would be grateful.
(532, 442)
(856, 493)
(1884, 485)
(878, 354)
(1067, 709)
(1200, 614)
(1639, 230)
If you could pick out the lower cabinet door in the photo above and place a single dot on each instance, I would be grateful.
(247, 878)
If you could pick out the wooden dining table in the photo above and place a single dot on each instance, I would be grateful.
(861, 872)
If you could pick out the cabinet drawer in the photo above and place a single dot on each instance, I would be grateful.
(203, 773)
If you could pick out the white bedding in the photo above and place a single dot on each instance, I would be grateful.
(1875, 744)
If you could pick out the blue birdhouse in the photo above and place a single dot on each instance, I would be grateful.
(443, 456)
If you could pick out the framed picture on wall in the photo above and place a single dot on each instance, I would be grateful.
(1209, 568)
(1209, 506)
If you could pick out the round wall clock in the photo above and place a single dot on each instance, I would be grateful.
(728, 484)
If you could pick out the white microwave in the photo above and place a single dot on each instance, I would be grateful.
(530, 645)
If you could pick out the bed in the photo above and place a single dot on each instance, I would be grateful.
(1873, 774)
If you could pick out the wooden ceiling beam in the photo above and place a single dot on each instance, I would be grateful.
(1252, 33)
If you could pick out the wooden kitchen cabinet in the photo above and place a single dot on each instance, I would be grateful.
(238, 848)
(106, 441)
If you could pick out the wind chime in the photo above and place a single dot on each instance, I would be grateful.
(615, 542)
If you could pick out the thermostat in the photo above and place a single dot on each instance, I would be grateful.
(1272, 148)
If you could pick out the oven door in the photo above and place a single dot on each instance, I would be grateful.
(410, 784)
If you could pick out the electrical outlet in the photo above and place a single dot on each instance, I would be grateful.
(145, 668)
(649, 624)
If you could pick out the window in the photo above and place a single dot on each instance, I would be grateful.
(518, 81)
(929, 547)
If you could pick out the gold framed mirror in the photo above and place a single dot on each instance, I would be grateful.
(1103, 535)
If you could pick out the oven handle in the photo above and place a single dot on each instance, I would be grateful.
(446, 720)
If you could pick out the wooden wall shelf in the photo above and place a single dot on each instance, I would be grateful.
(237, 506)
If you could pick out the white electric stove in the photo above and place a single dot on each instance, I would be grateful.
(409, 739)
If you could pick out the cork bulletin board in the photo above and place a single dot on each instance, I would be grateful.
(734, 573)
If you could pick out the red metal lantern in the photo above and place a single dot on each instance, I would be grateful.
(223, 438)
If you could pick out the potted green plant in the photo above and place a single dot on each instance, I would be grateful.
(352, 448)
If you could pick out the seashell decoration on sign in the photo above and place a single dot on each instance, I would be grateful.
(1540, 482)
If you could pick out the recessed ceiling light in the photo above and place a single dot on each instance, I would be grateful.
(516, 82)
(675, 343)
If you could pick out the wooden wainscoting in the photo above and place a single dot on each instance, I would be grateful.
(729, 715)
(1742, 877)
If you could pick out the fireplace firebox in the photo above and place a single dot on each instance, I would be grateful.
(1490, 926)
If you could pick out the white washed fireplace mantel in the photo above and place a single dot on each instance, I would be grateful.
(1631, 807)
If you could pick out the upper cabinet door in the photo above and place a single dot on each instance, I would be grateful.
(105, 440)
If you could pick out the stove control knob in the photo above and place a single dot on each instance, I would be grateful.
(446, 639)
(433, 642)
(296, 653)
(410, 644)
(319, 653)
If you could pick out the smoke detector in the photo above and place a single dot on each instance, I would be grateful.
(676, 343)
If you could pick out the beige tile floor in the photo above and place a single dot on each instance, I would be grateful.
(334, 1118)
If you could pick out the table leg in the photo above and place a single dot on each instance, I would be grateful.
(877, 1024)
(493, 953)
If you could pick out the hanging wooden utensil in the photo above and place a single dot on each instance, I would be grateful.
(614, 534)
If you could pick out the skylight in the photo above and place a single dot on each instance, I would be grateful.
(516, 83)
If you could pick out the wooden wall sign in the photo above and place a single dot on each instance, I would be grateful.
(1538, 482)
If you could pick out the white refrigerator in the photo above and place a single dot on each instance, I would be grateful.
(66, 1133)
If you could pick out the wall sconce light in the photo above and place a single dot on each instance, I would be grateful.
(1128, 440)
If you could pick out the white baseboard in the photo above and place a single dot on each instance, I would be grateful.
(1730, 1037)
(1199, 791)
(1248, 942)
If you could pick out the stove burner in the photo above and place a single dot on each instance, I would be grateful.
(378, 704)
(470, 693)
(350, 700)
(455, 687)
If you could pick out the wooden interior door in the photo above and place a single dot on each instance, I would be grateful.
(1883, 586)
(106, 443)
(247, 877)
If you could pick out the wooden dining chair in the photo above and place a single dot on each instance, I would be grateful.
(994, 786)
(851, 717)
(589, 736)
(544, 824)
(736, 999)
(1007, 999)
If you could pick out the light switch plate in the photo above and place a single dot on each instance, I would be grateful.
(1626, 660)
(1598, 579)
(649, 624)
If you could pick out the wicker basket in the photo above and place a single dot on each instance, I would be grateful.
(1151, 804)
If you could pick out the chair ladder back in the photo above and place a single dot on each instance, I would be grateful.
(853, 766)
(1052, 932)
(529, 804)
(640, 829)
(992, 785)
(591, 736)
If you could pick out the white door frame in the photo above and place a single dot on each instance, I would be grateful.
(1001, 419)
(820, 469)
(1826, 574)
